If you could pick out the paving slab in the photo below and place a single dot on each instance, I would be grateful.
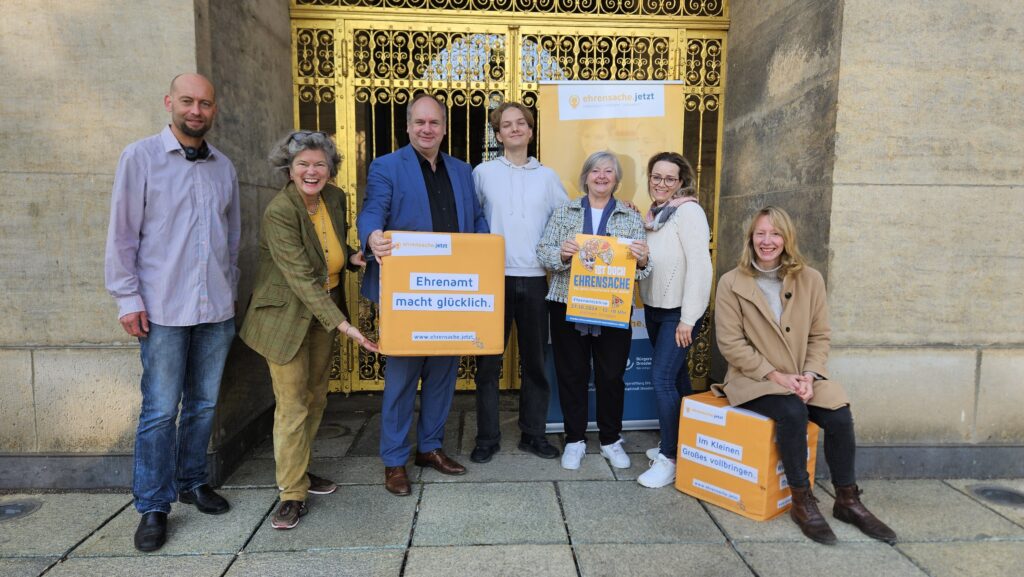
(1015, 514)
(178, 566)
(522, 467)
(846, 559)
(357, 470)
(377, 562)
(368, 443)
(256, 473)
(508, 424)
(988, 559)
(189, 532)
(640, 464)
(335, 437)
(252, 473)
(489, 513)
(660, 560)
(491, 560)
(62, 521)
(353, 516)
(930, 510)
(782, 528)
(616, 512)
(25, 566)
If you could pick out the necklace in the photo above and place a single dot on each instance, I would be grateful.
(316, 208)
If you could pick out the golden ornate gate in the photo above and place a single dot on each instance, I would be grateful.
(357, 63)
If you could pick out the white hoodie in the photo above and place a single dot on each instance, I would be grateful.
(517, 202)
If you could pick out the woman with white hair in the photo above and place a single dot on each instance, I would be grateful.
(576, 346)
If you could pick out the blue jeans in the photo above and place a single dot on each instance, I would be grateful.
(670, 376)
(179, 365)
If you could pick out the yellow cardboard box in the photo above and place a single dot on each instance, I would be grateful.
(728, 457)
(443, 294)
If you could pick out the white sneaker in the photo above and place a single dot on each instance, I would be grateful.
(616, 455)
(661, 473)
(573, 454)
(652, 454)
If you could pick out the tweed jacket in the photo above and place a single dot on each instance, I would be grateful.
(292, 271)
(565, 223)
(754, 344)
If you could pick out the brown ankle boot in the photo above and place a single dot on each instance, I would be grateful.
(806, 515)
(849, 509)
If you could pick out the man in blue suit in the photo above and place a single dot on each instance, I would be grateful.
(416, 188)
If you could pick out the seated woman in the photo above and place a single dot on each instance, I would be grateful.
(576, 346)
(675, 296)
(771, 321)
(298, 305)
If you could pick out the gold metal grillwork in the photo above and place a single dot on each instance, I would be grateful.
(359, 62)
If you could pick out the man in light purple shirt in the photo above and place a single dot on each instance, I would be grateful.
(172, 266)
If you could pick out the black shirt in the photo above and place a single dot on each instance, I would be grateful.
(443, 214)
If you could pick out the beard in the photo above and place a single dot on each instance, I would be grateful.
(193, 132)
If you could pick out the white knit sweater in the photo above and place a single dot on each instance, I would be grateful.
(682, 264)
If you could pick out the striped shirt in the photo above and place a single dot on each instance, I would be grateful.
(172, 244)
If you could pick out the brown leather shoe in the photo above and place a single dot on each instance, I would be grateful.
(806, 515)
(849, 509)
(396, 481)
(438, 460)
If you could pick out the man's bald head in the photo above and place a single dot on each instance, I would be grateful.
(192, 79)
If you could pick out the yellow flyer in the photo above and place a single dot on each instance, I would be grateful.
(601, 282)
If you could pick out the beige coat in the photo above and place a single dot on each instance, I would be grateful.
(754, 344)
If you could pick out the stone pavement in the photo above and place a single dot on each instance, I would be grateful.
(517, 515)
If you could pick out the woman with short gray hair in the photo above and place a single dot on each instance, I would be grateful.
(298, 307)
(576, 345)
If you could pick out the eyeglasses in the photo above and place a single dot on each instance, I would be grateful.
(666, 180)
(299, 135)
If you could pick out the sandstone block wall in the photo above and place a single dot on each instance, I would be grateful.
(926, 238)
(913, 206)
(81, 81)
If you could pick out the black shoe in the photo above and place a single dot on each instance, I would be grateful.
(482, 454)
(538, 446)
(205, 499)
(152, 532)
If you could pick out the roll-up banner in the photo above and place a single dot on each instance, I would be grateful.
(635, 120)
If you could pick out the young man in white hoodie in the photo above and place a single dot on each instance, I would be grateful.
(517, 195)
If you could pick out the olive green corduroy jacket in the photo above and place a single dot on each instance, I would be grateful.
(289, 288)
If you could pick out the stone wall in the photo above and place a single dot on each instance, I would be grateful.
(927, 287)
(898, 151)
(778, 143)
(250, 62)
(81, 81)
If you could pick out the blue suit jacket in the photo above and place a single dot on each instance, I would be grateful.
(396, 199)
